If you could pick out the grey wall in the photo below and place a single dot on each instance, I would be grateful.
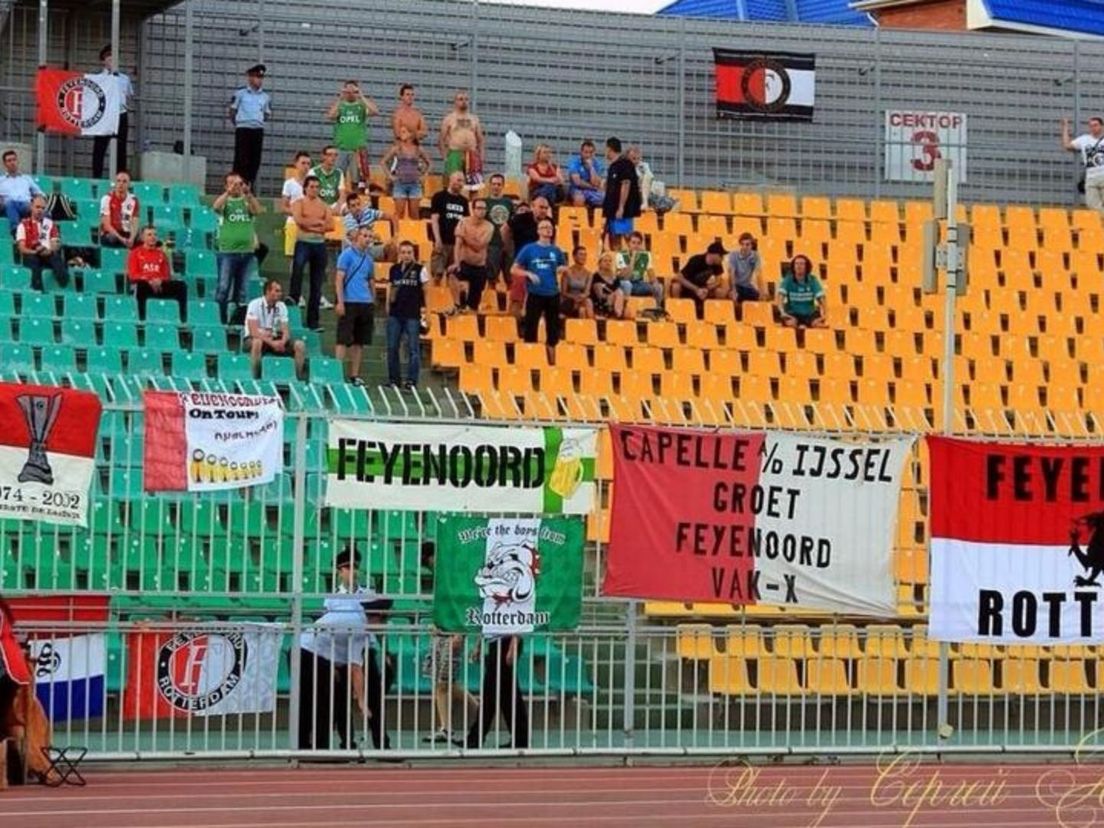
(557, 76)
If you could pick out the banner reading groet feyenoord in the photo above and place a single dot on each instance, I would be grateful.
(461, 468)
(1017, 542)
(508, 575)
(754, 519)
(47, 452)
(203, 442)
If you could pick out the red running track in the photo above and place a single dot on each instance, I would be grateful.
(899, 795)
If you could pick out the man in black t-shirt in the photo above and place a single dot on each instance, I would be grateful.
(622, 203)
(405, 298)
(700, 277)
(446, 210)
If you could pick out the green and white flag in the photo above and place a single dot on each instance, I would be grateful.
(461, 468)
(508, 575)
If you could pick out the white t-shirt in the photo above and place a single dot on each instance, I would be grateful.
(268, 319)
(293, 191)
(1092, 154)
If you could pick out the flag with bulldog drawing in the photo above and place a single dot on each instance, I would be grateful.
(508, 576)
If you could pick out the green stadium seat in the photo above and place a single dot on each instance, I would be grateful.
(209, 339)
(168, 219)
(278, 370)
(149, 193)
(184, 195)
(200, 263)
(189, 366)
(120, 334)
(7, 304)
(6, 250)
(234, 367)
(164, 337)
(80, 306)
(85, 189)
(88, 211)
(99, 281)
(145, 362)
(120, 309)
(204, 312)
(39, 304)
(45, 183)
(33, 331)
(61, 359)
(14, 277)
(326, 369)
(163, 310)
(78, 332)
(17, 358)
(203, 220)
(113, 260)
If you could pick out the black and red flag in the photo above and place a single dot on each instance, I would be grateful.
(779, 86)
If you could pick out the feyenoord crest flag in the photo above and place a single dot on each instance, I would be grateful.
(508, 575)
(754, 518)
(1017, 542)
(203, 442)
(76, 104)
(47, 451)
(779, 86)
(201, 672)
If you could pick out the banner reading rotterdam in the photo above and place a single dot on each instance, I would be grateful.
(508, 575)
(754, 519)
(460, 468)
(47, 452)
(1017, 542)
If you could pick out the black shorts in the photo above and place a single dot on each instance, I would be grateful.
(806, 320)
(355, 327)
(471, 272)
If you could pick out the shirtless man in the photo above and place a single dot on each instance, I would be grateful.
(314, 220)
(409, 116)
(461, 141)
(473, 239)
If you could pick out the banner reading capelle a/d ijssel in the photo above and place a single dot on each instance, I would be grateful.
(508, 575)
(460, 468)
(761, 518)
(47, 452)
(1017, 542)
(203, 442)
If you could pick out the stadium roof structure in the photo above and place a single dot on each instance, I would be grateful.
(836, 12)
(1062, 18)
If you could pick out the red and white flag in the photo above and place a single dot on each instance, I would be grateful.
(1017, 542)
(201, 442)
(47, 452)
(754, 519)
(779, 86)
(73, 103)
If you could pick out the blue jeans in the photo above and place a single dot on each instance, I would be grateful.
(630, 288)
(548, 191)
(312, 254)
(16, 211)
(412, 328)
(233, 270)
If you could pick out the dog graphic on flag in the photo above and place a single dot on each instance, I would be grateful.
(1092, 556)
(509, 577)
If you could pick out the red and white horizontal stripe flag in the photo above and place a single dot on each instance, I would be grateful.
(754, 519)
(1017, 542)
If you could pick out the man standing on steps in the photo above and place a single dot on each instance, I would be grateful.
(355, 307)
(446, 210)
(250, 109)
(409, 116)
(314, 220)
(461, 141)
(331, 181)
(473, 238)
(237, 240)
(350, 113)
(405, 299)
(101, 143)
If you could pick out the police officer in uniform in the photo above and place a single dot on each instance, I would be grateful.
(250, 108)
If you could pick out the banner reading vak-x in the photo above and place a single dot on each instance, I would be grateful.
(47, 452)
(460, 468)
(508, 575)
(754, 519)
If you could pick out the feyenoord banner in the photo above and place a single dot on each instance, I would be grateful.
(76, 104)
(203, 442)
(460, 468)
(47, 451)
(754, 518)
(1017, 542)
(916, 139)
(508, 575)
(780, 86)
(202, 673)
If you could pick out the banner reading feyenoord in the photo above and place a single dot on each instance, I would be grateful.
(916, 139)
(460, 468)
(76, 104)
(780, 86)
(47, 451)
(754, 519)
(508, 575)
(1017, 542)
(203, 442)
(202, 673)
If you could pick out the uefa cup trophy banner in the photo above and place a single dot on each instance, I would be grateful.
(40, 412)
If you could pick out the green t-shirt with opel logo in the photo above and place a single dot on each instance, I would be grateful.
(350, 128)
(235, 233)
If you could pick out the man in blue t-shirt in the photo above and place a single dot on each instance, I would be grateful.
(405, 298)
(355, 306)
(586, 175)
(541, 263)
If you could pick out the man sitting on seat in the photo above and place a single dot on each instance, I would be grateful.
(119, 216)
(16, 191)
(267, 331)
(39, 244)
(700, 277)
(150, 274)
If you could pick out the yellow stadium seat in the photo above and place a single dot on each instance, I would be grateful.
(741, 337)
(839, 641)
(465, 328)
(728, 675)
(835, 391)
(637, 384)
(1069, 676)
(820, 341)
(687, 199)
(712, 227)
(794, 390)
(765, 364)
(500, 328)
(581, 331)
(447, 353)
(719, 311)
(780, 339)
(816, 207)
(745, 640)
(885, 641)
(688, 361)
(488, 352)
(678, 224)
(676, 386)
(801, 365)
(1020, 675)
(878, 677)
(476, 379)
(626, 409)
(716, 201)
(682, 310)
(610, 358)
(778, 676)
(516, 381)
(663, 335)
(619, 332)
(648, 358)
(701, 335)
(531, 355)
(851, 209)
(755, 388)
(827, 677)
(717, 387)
(972, 677)
(922, 676)
(791, 641)
(781, 204)
(747, 204)
(695, 641)
(571, 356)
(438, 298)
(596, 383)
